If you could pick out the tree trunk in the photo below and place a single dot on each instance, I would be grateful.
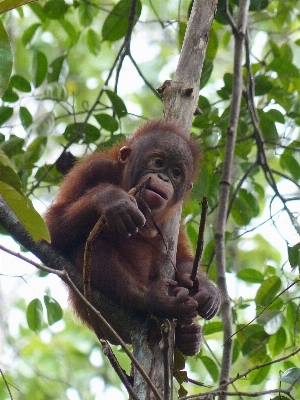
(180, 98)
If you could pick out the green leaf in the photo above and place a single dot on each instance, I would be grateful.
(25, 117)
(283, 68)
(117, 103)
(262, 85)
(91, 133)
(23, 209)
(107, 122)
(29, 33)
(12, 146)
(181, 33)
(271, 320)
(93, 41)
(44, 125)
(253, 341)
(221, 14)
(70, 30)
(54, 310)
(277, 342)
(8, 173)
(250, 275)
(36, 149)
(251, 202)
(291, 375)
(179, 361)
(257, 5)
(243, 149)
(5, 114)
(55, 9)
(56, 69)
(259, 375)
(86, 14)
(236, 351)
(6, 58)
(206, 72)
(212, 45)
(211, 367)
(39, 11)
(275, 116)
(212, 327)
(48, 173)
(259, 190)
(34, 315)
(40, 68)
(76, 132)
(267, 291)
(292, 317)
(20, 83)
(56, 91)
(240, 212)
(10, 96)
(116, 24)
(287, 161)
(294, 255)
(267, 127)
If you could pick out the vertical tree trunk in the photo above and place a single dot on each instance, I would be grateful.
(180, 97)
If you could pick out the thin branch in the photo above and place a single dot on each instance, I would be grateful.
(240, 183)
(200, 241)
(264, 308)
(127, 41)
(35, 264)
(220, 390)
(224, 190)
(6, 384)
(107, 350)
(143, 77)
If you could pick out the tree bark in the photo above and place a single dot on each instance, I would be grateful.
(180, 98)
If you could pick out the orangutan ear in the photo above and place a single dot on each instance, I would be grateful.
(124, 154)
(189, 186)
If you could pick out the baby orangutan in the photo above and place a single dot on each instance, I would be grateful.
(128, 252)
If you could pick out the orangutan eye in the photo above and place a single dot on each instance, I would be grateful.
(176, 172)
(158, 162)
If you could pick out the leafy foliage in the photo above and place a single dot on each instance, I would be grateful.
(70, 89)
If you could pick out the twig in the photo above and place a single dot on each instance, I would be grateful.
(221, 389)
(268, 305)
(6, 384)
(107, 350)
(200, 241)
(86, 272)
(159, 234)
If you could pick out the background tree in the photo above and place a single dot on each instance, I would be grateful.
(82, 78)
